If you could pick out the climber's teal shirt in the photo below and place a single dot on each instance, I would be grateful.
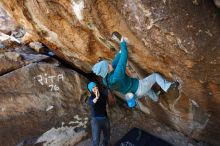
(118, 79)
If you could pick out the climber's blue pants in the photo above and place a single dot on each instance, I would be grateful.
(99, 125)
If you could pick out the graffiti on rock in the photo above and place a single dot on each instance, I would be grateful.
(50, 80)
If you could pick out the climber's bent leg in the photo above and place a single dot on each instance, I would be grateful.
(145, 85)
(163, 83)
(141, 92)
(145, 91)
(152, 95)
(156, 78)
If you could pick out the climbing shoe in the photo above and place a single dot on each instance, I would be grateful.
(174, 85)
(116, 36)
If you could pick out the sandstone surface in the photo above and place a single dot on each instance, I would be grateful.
(179, 39)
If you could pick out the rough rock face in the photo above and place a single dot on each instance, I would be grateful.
(217, 3)
(6, 23)
(64, 135)
(37, 97)
(12, 60)
(179, 39)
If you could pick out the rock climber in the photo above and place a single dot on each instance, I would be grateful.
(115, 78)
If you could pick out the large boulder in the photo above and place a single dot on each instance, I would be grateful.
(14, 56)
(179, 39)
(38, 97)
